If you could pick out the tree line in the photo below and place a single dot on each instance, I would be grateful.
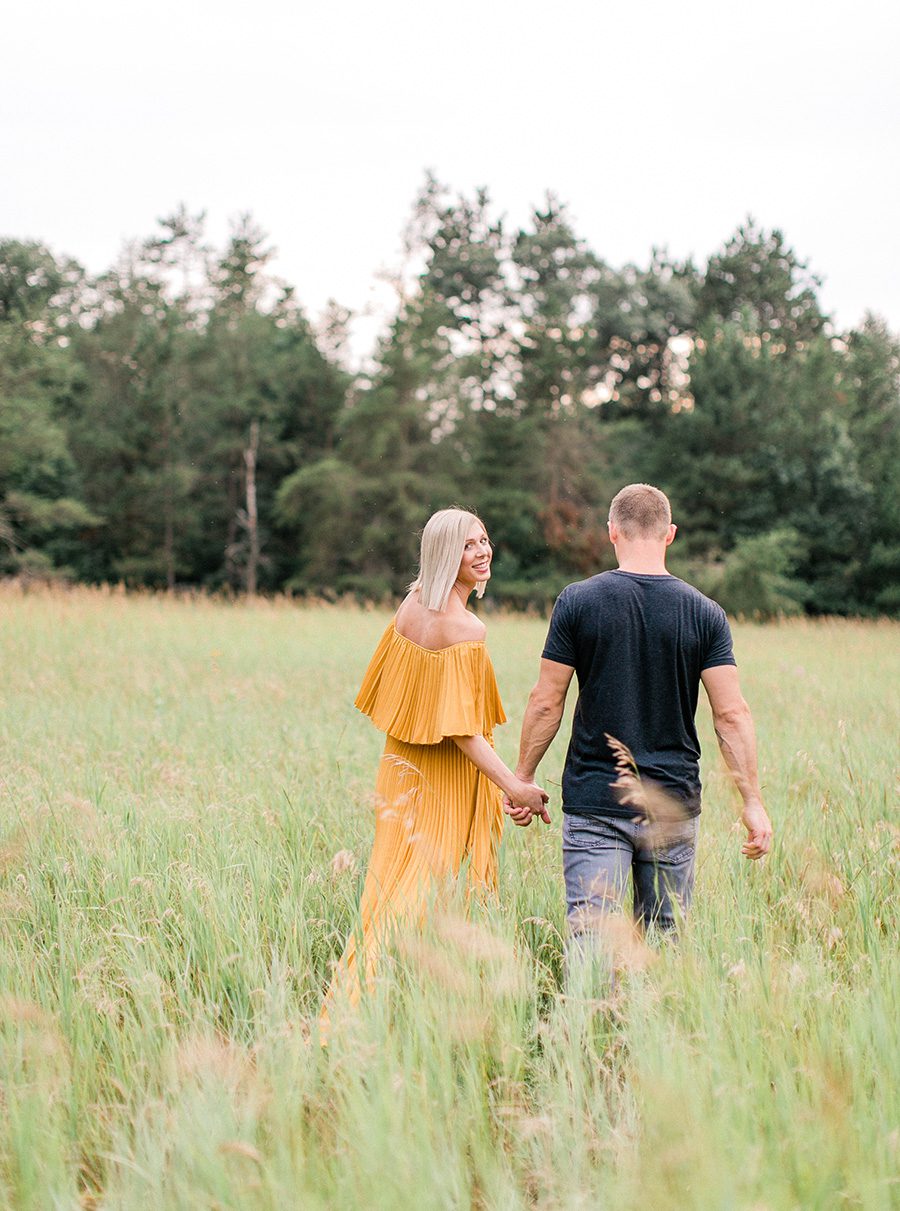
(178, 420)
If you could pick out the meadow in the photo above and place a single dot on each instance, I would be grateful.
(186, 814)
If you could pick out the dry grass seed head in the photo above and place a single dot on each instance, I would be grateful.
(661, 812)
(201, 1056)
(342, 861)
(618, 937)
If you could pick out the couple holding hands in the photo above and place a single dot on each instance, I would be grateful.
(640, 641)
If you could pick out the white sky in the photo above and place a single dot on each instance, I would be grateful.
(659, 123)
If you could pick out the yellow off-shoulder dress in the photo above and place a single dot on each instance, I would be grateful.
(434, 810)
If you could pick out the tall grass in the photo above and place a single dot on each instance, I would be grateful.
(179, 780)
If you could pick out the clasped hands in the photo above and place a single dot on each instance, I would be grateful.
(527, 801)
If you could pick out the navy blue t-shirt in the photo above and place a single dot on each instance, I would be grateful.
(638, 644)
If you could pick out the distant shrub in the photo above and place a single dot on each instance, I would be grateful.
(756, 578)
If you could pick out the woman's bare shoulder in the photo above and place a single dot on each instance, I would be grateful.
(464, 627)
(432, 630)
(409, 610)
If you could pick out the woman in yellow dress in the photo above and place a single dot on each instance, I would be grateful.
(431, 688)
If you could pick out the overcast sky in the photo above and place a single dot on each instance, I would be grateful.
(659, 124)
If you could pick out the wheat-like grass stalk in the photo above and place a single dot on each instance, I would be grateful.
(661, 812)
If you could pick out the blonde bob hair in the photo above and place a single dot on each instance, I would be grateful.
(440, 554)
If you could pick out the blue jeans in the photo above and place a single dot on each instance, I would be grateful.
(599, 853)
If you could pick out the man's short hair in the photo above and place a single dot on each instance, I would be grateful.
(641, 511)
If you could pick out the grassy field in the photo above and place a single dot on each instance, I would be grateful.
(186, 814)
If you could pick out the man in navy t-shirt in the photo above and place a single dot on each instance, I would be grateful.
(640, 642)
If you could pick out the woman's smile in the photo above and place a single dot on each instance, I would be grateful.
(477, 555)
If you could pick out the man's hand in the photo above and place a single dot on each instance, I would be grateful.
(737, 740)
(755, 819)
(541, 723)
(522, 813)
(518, 815)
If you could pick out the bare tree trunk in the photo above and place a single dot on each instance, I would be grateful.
(252, 521)
(231, 543)
(7, 532)
(168, 505)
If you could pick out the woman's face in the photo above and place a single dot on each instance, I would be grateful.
(475, 568)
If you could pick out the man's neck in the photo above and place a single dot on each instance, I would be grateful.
(642, 559)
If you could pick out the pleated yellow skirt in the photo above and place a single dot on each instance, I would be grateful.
(435, 814)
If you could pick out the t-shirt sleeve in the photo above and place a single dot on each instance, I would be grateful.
(719, 648)
(560, 642)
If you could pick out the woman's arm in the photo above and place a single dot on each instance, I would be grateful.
(522, 794)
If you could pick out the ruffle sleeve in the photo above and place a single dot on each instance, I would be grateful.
(420, 696)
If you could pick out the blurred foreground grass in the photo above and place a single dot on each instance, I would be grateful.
(179, 781)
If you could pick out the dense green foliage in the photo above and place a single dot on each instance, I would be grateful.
(190, 812)
(178, 421)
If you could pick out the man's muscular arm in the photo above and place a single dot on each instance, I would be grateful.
(737, 741)
(543, 716)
